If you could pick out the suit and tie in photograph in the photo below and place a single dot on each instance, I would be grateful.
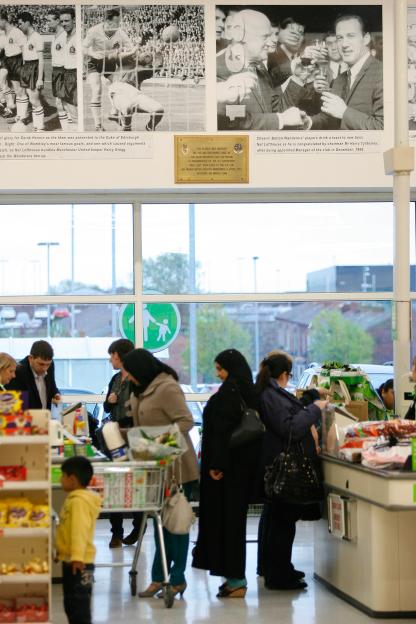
(320, 68)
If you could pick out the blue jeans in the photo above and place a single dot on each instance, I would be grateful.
(176, 547)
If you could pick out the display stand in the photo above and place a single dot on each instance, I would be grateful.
(20, 545)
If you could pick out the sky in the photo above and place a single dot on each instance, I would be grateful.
(289, 241)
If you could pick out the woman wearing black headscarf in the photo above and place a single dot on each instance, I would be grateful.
(227, 478)
(158, 400)
(284, 417)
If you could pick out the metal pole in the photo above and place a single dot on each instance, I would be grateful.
(48, 320)
(401, 199)
(193, 337)
(113, 270)
(72, 268)
(48, 245)
(256, 318)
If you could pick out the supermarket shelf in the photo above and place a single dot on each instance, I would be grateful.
(23, 485)
(24, 439)
(14, 579)
(25, 532)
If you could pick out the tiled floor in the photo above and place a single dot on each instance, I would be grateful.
(113, 602)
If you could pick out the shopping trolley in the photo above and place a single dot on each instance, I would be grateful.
(136, 486)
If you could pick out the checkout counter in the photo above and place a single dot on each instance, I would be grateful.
(365, 546)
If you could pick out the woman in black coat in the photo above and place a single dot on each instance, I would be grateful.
(280, 412)
(227, 478)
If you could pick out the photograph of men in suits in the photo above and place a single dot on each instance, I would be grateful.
(355, 101)
(326, 69)
(244, 103)
(336, 65)
(35, 375)
(289, 42)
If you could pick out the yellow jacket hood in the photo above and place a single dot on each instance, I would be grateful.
(75, 532)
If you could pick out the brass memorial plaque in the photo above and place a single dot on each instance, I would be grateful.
(212, 159)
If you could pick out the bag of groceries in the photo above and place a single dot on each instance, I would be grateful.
(151, 443)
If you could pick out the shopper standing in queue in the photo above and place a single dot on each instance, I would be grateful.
(281, 412)
(227, 477)
(7, 369)
(118, 394)
(35, 374)
(158, 400)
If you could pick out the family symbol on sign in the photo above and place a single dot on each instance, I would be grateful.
(164, 328)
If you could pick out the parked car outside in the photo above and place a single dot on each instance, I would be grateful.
(7, 313)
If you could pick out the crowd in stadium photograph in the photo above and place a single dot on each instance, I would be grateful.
(297, 67)
(144, 67)
(38, 68)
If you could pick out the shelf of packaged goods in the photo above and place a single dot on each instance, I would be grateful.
(24, 532)
(24, 439)
(23, 485)
(14, 579)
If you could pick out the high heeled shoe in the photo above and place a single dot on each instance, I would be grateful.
(232, 592)
(179, 589)
(153, 589)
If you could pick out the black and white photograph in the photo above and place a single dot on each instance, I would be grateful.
(144, 68)
(38, 68)
(299, 67)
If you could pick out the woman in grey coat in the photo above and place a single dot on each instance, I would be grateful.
(158, 400)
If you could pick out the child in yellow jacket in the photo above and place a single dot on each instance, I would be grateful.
(75, 537)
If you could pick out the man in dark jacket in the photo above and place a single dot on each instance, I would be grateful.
(259, 107)
(119, 390)
(35, 375)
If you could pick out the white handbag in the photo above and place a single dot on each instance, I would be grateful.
(177, 514)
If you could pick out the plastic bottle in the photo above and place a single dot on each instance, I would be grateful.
(114, 441)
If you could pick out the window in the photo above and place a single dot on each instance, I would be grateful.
(267, 248)
(75, 249)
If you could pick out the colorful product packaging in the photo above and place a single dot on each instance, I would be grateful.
(13, 473)
(139, 487)
(15, 424)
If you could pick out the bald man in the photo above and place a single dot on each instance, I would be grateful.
(251, 108)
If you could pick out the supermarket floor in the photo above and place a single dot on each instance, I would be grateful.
(113, 603)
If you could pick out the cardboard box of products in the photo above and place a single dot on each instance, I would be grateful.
(358, 409)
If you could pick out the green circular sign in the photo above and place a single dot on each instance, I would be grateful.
(161, 324)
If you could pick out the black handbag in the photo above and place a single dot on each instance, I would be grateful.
(293, 477)
(249, 429)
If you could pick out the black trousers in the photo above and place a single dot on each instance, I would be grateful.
(116, 520)
(77, 593)
(276, 537)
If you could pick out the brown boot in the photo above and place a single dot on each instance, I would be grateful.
(115, 542)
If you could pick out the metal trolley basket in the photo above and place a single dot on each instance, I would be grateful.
(136, 486)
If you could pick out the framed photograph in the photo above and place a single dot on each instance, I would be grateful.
(299, 67)
(144, 67)
(38, 68)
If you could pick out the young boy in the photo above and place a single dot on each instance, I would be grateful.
(74, 538)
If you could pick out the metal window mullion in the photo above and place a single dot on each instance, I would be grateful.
(138, 273)
(67, 299)
(268, 297)
(130, 196)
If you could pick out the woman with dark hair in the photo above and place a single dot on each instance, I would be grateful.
(227, 477)
(158, 400)
(386, 392)
(281, 413)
